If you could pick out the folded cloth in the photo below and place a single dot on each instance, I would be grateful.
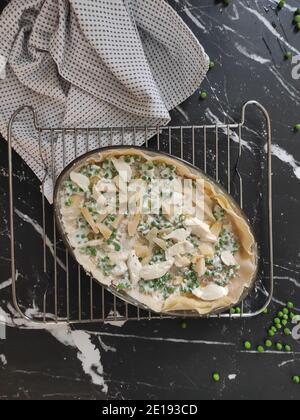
(89, 63)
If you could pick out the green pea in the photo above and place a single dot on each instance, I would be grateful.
(288, 349)
(281, 4)
(274, 329)
(297, 127)
(284, 322)
(297, 18)
(203, 95)
(271, 333)
(277, 321)
(248, 345)
(117, 247)
(232, 311)
(297, 12)
(285, 311)
(296, 379)
(298, 26)
(288, 55)
(290, 305)
(238, 310)
(280, 314)
(260, 349)
(279, 346)
(212, 65)
(287, 331)
(268, 343)
(216, 377)
(285, 317)
(266, 311)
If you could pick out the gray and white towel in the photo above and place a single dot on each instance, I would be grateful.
(99, 63)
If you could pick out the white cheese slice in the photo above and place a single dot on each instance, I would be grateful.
(104, 185)
(181, 248)
(211, 292)
(156, 271)
(80, 180)
(200, 229)
(120, 269)
(123, 169)
(228, 259)
(134, 267)
(179, 235)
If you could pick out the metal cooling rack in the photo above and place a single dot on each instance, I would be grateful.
(69, 295)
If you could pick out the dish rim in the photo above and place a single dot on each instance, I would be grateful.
(122, 295)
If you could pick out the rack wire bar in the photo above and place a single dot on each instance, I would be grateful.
(74, 298)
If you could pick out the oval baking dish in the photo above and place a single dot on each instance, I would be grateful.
(169, 261)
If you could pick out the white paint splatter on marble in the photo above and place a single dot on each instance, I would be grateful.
(3, 360)
(252, 56)
(285, 157)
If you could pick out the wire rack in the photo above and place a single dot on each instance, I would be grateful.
(67, 294)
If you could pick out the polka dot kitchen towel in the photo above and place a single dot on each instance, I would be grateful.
(92, 63)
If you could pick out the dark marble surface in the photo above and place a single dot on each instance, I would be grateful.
(159, 359)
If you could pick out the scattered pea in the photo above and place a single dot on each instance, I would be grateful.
(296, 379)
(285, 311)
(284, 322)
(281, 4)
(288, 349)
(290, 305)
(260, 349)
(266, 311)
(274, 329)
(287, 331)
(203, 95)
(298, 26)
(212, 65)
(279, 347)
(216, 377)
(271, 333)
(268, 343)
(248, 345)
(277, 321)
(288, 55)
(280, 314)
(297, 127)
(297, 18)
(184, 325)
(297, 12)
